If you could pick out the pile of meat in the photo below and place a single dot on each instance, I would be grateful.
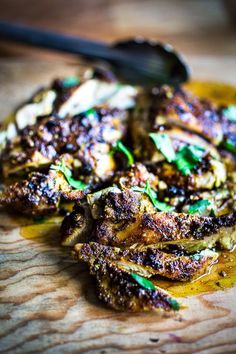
(151, 174)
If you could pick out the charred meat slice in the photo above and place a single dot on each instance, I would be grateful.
(87, 137)
(136, 175)
(168, 106)
(118, 288)
(124, 218)
(39, 194)
(150, 261)
(206, 171)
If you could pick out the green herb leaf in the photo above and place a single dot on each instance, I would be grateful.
(229, 145)
(230, 113)
(145, 283)
(91, 113)
(153, 197)
(76, 184)
(188, 157)
(163, 143)
(174, 304)
(185, 159)
(71, 81)
(119, 146)
(199, 207)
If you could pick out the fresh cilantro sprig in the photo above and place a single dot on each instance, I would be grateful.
(148, 284)
(199, 207)
(229, 145)
(145, 283)
(76, 184)
(163, 143)
(91, 113)
(119, 146)
(174, 304)
(185, 159)
(153, 197)
(71, 81)
(230, 113)
(188, 157)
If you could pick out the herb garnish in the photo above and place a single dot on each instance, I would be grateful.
(145, 283)
(186, 158)
(163, 143)
(153, 197)
(119, 146)
(90, 113)
(71, 81)
(76, 184)
(230, 113)
(229, 145)
(174, 304)
(199, 207)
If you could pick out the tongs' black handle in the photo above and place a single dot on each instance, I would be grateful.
(52, 40)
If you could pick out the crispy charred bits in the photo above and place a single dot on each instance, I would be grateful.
(88, 137)
(124, 218)
(118, 289)
(150, 261)
(33, 196)
(176, 107)
(39, 194)
(136, 175)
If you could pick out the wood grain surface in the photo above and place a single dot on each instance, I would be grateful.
(48, 302)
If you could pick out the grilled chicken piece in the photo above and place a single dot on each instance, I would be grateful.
(118, 289)
(151, 261)
(208, 173)
(88, 137)
(136, 175)
(123, 218)
(171, 107)
(40, 194)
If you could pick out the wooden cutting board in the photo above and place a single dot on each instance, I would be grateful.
(48, 302)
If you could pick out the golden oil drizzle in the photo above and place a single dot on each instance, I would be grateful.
(217, 92)
(221, 276)
(39, 231)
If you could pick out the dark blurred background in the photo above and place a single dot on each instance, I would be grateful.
(203, 30)
(193, 26)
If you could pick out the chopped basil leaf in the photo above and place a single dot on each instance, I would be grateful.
(229, 145)
(230, 113)
(188, 157)
(76, 184)
(174, 304)
(145, 283)
(119, 146)
(199, 207)
(163, 143)
(91, 113)
(70, 81)
(153, 197)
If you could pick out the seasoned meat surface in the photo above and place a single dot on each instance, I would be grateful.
(124, 218)
(153, 187)
(150, 261)
(87, 137)
(117, 288)
(39, 194)
(167, 106)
